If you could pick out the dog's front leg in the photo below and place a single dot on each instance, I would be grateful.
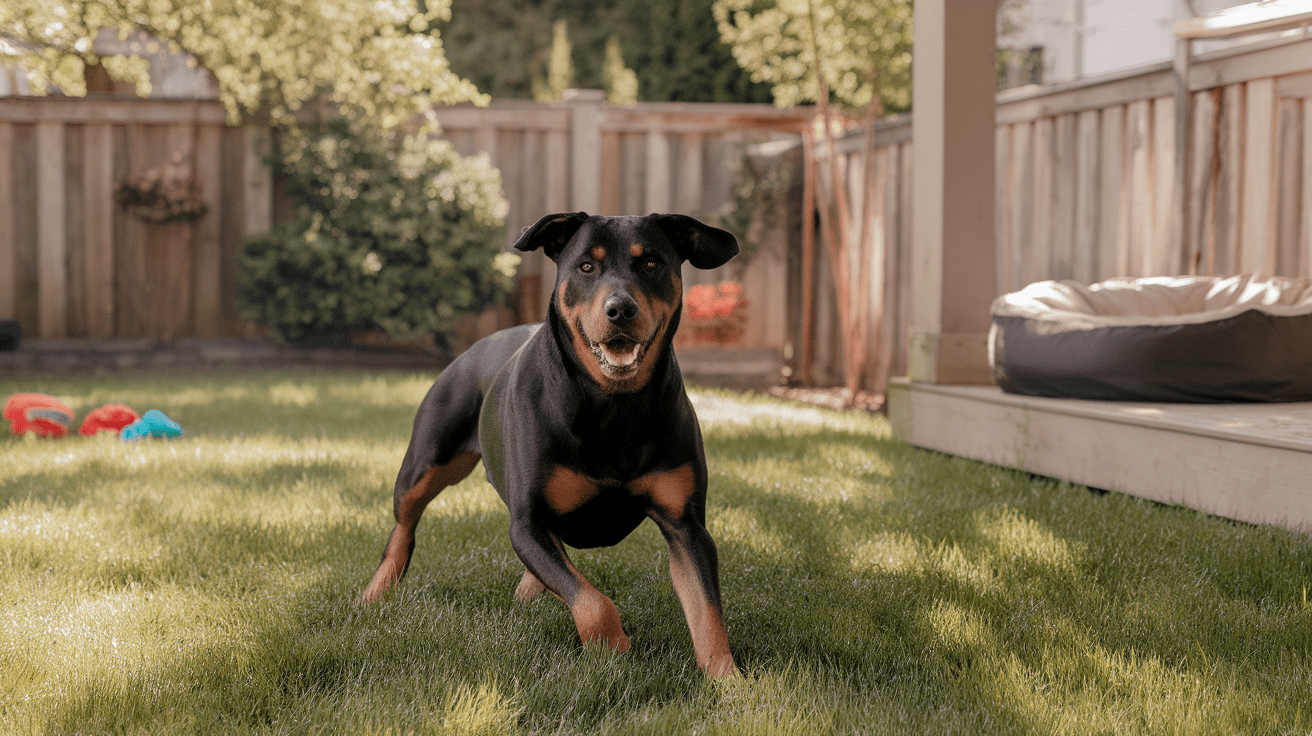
(694, 569)
(595, 615)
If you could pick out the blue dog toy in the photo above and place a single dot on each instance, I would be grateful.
(152, 424)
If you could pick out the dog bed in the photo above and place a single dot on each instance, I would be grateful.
(1179, 339)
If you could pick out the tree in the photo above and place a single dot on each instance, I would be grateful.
(621, 81)
(560, 69)
(859, 49)
(379, 63)
(857, 53)
(673, 45)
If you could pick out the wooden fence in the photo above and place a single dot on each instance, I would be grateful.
(73, 263)
(1086, 189)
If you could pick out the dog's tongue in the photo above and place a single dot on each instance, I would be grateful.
(620, 353)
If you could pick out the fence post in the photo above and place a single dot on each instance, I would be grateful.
(585, 148)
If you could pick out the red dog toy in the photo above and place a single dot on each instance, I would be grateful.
(110, 417)
(39, 413)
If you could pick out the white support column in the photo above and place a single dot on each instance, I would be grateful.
(953, 260)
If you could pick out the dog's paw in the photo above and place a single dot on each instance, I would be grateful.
(529, 587)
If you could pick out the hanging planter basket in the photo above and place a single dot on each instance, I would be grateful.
(163, 194)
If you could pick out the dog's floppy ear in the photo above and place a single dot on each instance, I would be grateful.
(696, 242)
(551, 233)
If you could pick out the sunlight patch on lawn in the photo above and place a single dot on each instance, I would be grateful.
(899, 553)
(1017, 538)
(736, 525)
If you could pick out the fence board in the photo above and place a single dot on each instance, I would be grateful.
(8, 220)
(1022, 203)
(658, 192)
(1256, 251)
(1306, 231)
(1165, 254)
(1229, 186)
(1084, 263)
(1202, 173)
(52, 253)
(1289, 181)
(612, 163)
(1002, 223)
(1138, 128)
(1039, 245)
(1064, 173)
(75, 230)
(98, 196)
(207, 236)
(688, 189)
(1113, 202)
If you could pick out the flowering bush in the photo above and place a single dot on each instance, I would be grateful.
(403, 239)
(716, 315)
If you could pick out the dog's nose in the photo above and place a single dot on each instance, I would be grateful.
(620, 308)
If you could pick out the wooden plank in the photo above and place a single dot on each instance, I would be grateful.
(510, 162)
(207, 235)
(1002, 222)
(54, 109)
(98, 196)
(688, 187)
(26, 251)
(1202, 143)
(1087, 198)
(1114, 196)
(485, 142)
(1138, 130)
(8, 216)
(1295, 85)
(1028, 105)
(1064, 173)
(128, 264)
(1258, 17)
(75, 230)
(1244, 462)
(1165, 254)
(887, 347)
(1289, 180)
(1021, 188)
(232, 224)
(1229, 185)
(1256, 250)
(52, 248)
(1037, 258)
(612, 163)
(169, 248)
(257, 199)
(658, 192)
(634, 176)
(1305, 238)
(906, 253)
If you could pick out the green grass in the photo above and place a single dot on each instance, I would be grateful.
(206, 585)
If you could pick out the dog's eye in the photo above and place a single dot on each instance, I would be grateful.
(586, 267)
(650, 264)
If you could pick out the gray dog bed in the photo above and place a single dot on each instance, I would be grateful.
(1182, 339)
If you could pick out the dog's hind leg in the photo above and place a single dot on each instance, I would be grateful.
(409, 507)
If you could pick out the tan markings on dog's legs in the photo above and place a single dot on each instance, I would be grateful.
(529, 587)
(669, 493)
(710, 640)
(595, 615)
(636, 250)
(408, 509)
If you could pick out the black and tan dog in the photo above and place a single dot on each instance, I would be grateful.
(582, 424)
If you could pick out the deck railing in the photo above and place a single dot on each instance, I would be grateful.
(1086, 183)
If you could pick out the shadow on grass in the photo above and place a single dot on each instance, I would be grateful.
(937, 595)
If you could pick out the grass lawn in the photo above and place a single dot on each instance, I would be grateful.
(206, 585)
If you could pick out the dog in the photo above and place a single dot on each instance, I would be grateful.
(582, 423)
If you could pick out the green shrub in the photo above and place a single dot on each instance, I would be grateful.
(401, 236)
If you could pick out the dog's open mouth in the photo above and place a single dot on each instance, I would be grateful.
(619, 354)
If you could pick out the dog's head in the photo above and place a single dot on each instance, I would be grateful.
(618, 291)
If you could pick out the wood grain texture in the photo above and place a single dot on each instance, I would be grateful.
(51, 224)
(8, 216)
(1257, 231)
(1088, 196)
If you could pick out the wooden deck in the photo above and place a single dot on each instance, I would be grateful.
(1249, 462)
